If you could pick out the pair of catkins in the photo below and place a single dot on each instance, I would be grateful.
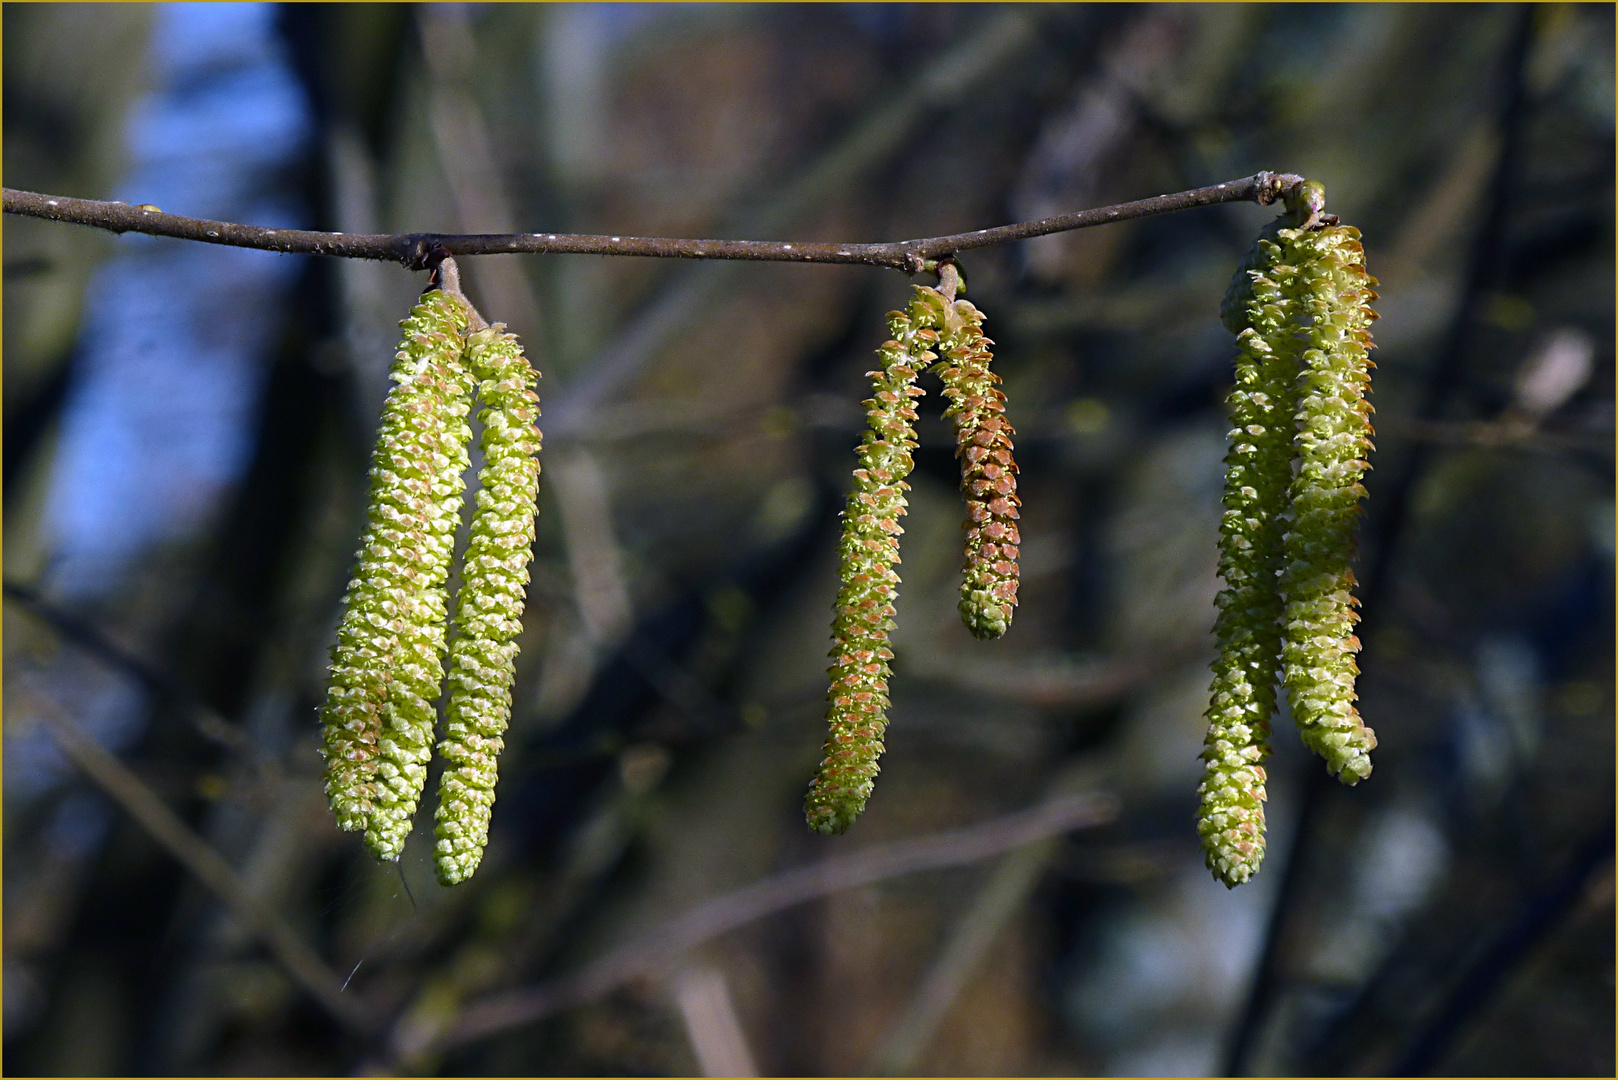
(945, 334)
(1299, 306)
(389, 661)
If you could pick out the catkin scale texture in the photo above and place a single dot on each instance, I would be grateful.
(1230, 816)
(988, 472)
(489, 606)
(1333, 440)
(868, 554)
(387, 662)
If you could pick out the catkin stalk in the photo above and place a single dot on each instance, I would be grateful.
(868, 553)
(489, 606)
(387, 661)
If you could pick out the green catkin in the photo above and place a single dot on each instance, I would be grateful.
(489, 606)
(1332, 440)
(868, 553)
(1231, 798)
(387, 662)
(988, 472)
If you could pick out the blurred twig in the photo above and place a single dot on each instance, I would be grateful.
(205, 864)
(466, 154)
(703, 996)
(209, 723)
(648, 952)
(1495, 433)
(1538, 917)
(970, 939)
(1046, 683)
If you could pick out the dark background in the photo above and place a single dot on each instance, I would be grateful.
(187, 432)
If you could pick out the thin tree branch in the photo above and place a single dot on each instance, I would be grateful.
(159, 686)
(205, 864)
(1471, 993)
(414, 250)
(648, 952)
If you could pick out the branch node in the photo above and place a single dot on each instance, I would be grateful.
(422, 251)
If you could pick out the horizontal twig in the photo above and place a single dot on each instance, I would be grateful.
(647, 953)
(416, 250)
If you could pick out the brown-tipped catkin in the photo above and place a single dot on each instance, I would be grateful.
(868, 553)
(387, 662)
(489, 606)
(1230, 814)
(988, 472)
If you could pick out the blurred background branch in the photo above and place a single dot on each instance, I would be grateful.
(206, 864)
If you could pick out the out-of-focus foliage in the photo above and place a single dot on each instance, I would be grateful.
(700, 424)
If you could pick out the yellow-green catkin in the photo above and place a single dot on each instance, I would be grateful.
(988, 472)
(489, 606)
(387, 663)
(868, 553)
(1230, 818)
(1333, 440)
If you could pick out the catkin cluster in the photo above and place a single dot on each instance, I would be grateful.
(988, 471)
(868, 553)
(933, 325)
(1300, 430)
(387, 666)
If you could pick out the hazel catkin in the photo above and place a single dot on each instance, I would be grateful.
(387, 660)
(1230, 816)
(489, 606)
(868, 554)
(988, 471)
(1332, 441)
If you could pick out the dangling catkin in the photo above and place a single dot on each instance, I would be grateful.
(988, 472)
(1333, 439)
(1230, 819)
(868, 553)
(489, 606)
(387, 661)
